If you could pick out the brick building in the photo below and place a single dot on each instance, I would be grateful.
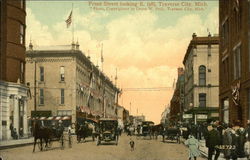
(13, 92)
(234, 61)
(177, 101)
(65, 83)
(202, 78)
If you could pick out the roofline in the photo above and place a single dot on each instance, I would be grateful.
(200, 41)
(71, 53)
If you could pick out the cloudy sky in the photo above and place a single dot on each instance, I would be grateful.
(146, 47)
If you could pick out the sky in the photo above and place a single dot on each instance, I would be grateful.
(145, 46)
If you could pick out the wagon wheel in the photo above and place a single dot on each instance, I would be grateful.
(70, 141)
(61, 140)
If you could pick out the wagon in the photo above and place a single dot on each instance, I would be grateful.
(172, 134)
(107, 131)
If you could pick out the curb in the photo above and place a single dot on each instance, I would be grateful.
(15, 145)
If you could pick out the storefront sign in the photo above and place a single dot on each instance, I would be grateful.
(185, 116)
(201, 116)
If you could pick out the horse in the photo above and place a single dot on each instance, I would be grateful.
(40, 133)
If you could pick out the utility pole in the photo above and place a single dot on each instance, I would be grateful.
(130, 108)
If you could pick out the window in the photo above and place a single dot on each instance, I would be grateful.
(225, 110)
(62, 76)
(41, 74)
(64, 112)
(202, 100)
(209, 50)
(237, 62)
(62, 96)
(41, 98)
(22, 72)
(202, 75)
(22, 4)
(22, 34)
(225, 34)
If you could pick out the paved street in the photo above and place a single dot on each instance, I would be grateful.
(144, 150)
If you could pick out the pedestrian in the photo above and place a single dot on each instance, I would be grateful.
(193, 146)
(132, 145)
(247, 144)
(228, 141)
(240, 139)
(213, 140)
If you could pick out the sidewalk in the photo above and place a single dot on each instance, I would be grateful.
(16, 142)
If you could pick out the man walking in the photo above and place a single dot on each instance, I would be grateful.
(212, 142)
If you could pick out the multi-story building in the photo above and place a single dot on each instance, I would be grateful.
(202, 78)
(164, 116)
(64, 82)
(234, 61)
(122, 115)
(177, 101)
(13, 92)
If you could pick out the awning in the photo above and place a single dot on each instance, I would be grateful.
(58, 118)
(50, 118)
(42, 118)
(85, 109)
(66, 118)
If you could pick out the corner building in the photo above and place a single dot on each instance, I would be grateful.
(234, 61)
(13, 91)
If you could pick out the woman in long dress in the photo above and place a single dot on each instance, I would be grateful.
(193, 145)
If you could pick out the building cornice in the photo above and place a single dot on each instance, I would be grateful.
(200, 41)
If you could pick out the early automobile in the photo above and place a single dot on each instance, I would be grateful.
(171, 133)
(107, 131)
(147, 128)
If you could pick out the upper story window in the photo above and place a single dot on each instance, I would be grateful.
(237, 62)
(22, 72)
(41, 97)
(22, 4)
(209, 47)
(41, 74)
(22, 34)
(62, 73)
(62, 96)
(225, 34)
(202, 100)
(202, 75)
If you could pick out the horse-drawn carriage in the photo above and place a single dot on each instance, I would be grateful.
(45, 135)
(85, 128)
(107, 131)
(171, 133)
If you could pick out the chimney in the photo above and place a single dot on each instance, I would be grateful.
(194, 35)
(73, 46)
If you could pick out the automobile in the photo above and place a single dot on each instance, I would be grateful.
(107, 131)
(172, 133)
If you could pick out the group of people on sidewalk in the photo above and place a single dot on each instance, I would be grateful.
(230, 139)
